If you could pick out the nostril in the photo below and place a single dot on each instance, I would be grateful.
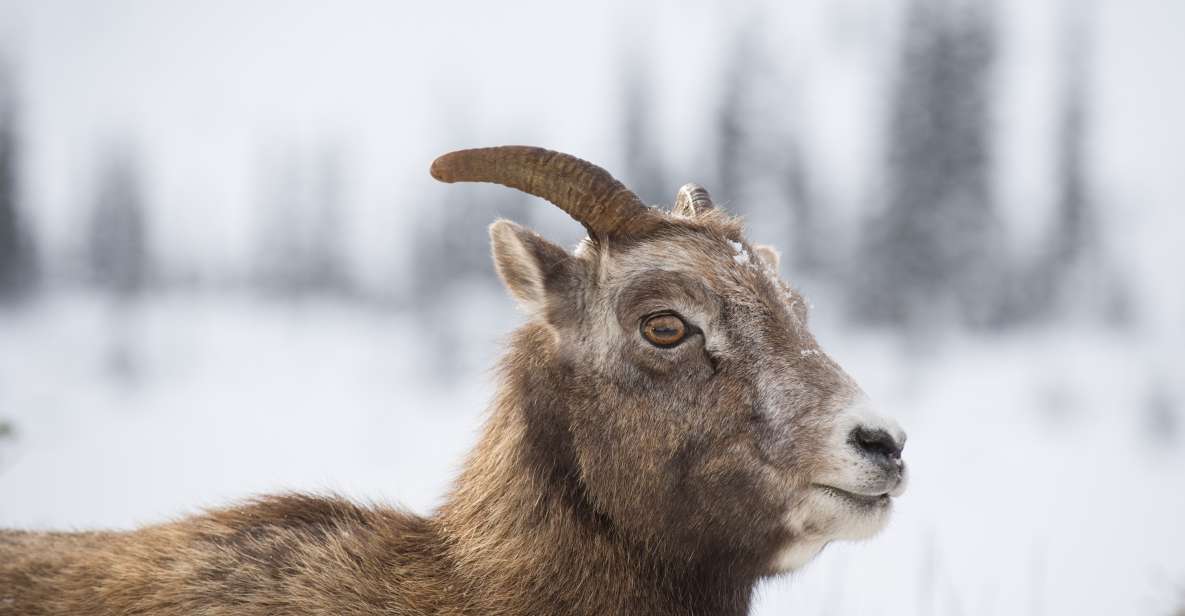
(875, 442)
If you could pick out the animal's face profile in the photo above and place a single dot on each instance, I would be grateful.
(704, 420)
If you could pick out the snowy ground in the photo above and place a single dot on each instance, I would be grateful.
(1048, 468)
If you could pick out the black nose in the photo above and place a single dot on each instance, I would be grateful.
(876, 443)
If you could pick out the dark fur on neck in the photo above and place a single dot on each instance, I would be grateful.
(521, 517)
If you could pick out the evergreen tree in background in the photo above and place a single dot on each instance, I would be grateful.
(643, 170)
(1078, 270)
(732, 143)
(932, 251)
(761, 169)
(326, 267)
(117, 244)
(278, 250)
(301, 232)
(750, 141)
(1071, 274)
(8, 434)
(1075, 232)
(117, 260)
(808, 245)
(17, 263)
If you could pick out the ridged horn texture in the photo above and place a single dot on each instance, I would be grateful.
(693, 199)
(585, 191)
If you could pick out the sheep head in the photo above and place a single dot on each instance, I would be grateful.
(705, 422)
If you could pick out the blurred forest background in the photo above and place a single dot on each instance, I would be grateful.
(224, 268)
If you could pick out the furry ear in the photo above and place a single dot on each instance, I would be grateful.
(769, 254)
(533, 269)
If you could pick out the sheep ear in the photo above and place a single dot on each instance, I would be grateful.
(769, 254)
(537, 273)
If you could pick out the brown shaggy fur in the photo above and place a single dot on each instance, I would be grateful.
(612, 477)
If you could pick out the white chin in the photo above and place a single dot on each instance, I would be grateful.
(838, 516)
(855, 517)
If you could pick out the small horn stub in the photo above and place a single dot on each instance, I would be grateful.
(692, 200)
(585, 191)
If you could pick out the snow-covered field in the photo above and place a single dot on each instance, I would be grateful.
(1048, 467)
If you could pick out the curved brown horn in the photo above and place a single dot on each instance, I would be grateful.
(693, 199)
(585, 191)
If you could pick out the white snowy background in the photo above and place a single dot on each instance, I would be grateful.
(303, 308)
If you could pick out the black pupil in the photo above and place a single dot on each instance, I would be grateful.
(665, 329)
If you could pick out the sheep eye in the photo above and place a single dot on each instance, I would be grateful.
(664, 330)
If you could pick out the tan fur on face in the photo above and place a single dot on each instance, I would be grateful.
(612, 476)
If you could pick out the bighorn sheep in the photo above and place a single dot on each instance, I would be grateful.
(665, 434)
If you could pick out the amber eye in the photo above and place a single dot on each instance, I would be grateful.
(664, 330)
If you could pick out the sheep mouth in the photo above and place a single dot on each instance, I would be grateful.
(862, 501)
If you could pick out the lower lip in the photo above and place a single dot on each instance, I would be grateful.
(859, 500)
